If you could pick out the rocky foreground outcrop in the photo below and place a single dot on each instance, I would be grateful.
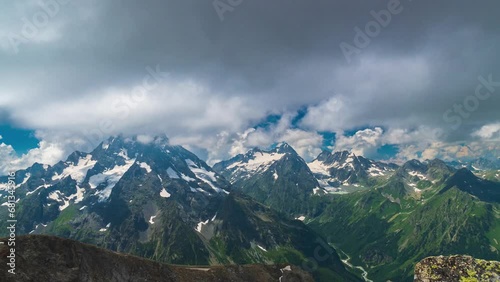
(49, 258)
(456, 268)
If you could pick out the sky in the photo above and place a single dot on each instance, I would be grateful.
(395, 80)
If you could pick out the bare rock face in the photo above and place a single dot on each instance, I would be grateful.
(456, 268)
(49, 258)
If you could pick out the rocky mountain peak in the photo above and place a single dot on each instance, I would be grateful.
(284, 148)
(324, 155)
(346, 168)
(414, 165)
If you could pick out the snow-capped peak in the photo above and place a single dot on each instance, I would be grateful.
(259, 161)
(77, 171)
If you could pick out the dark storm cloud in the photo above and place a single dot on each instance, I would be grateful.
(269, 56)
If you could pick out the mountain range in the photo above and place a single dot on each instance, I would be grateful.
(341, 216)
(381, 217)
(478, 164)
(163, 203)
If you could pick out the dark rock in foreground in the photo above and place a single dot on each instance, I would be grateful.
(48, 258)
(456, 268)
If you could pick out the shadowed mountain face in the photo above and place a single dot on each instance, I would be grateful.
(46, 258)
(466, 181)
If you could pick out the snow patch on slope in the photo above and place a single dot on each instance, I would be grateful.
(206, 176)
(145, 166)
(171, 173)
(36, 189)
(262, 248)
(110, 177)
(59, 197)
(24, 180)
(187, 178)
(78, 196)
(318, 167)
(123, 153)
(151, 219)
(78, 171)
(201, 224)
(417, 174)
(164, 193)
(317, 190)
(261, 161)
(375, 171)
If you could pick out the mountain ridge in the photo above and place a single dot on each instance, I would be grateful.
(48, 258)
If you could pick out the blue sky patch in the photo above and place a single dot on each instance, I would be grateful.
(21, 140)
